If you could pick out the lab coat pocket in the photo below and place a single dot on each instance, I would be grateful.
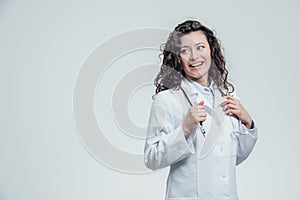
(182, 182)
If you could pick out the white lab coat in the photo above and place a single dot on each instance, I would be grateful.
(200, 168)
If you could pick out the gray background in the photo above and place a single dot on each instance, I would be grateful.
(43, 45)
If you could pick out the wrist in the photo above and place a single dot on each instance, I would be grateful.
(185, 131)
(249, 124)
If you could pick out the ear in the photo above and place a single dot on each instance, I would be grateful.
(179, 59)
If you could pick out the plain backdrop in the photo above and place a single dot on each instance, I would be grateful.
(43, 45)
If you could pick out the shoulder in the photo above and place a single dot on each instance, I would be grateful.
(164, 95)
(166, 98)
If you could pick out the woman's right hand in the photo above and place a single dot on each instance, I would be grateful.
(194, 115)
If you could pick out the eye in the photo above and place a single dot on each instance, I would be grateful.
(184, 51)
(200, 47)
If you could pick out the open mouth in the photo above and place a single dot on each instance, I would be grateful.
(197, 64)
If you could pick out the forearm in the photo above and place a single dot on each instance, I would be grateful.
(166, 149)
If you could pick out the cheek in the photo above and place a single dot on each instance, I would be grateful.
(185, 69)
(206, 53)
(208, 59)
(184, 64)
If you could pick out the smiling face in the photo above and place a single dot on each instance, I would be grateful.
(195, 57)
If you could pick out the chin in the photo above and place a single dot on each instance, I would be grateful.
(195, 78)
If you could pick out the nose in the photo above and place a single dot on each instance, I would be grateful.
(194, 54)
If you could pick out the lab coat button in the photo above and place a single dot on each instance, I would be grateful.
(206, 90)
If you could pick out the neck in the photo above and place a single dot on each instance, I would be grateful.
(203, 81)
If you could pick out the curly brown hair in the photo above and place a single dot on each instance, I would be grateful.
(171, 72)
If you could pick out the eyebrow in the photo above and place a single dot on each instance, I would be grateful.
(194, 45)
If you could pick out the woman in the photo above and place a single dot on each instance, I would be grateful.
(197, 125)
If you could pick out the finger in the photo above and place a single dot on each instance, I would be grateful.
(228, 97)
(228, 112)
(200, 107)
(229, 107)
(233, 100)
(225, 108)
(229, 101)
(201, 119)
(196, 108)
(223, 103)
(233, 112)
(201, 103)
(201, 113)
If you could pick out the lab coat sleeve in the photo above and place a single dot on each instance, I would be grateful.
(246, 139)
(165, 143)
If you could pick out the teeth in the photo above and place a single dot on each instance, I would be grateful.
(197, 64)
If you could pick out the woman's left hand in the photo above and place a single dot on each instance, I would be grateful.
(232, 106)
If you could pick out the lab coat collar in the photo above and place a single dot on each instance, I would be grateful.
(188, 88)
(203, 90)
(193, 93)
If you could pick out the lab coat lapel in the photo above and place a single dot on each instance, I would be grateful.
(190, 91)
(215, 131)
(217, 115)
